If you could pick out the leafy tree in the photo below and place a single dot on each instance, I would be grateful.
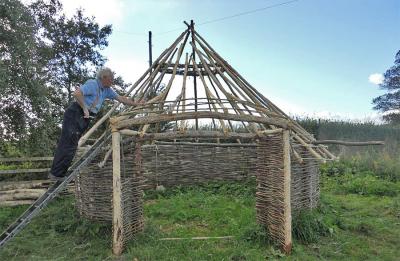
(75, 45)
(22, 88)
(43, 56)
(390, 102)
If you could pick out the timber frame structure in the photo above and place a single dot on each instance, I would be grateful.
(160, 144)
(201, 88)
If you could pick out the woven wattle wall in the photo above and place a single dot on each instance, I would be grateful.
(270, 187)
(145, 167)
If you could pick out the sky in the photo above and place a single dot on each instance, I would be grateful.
(320, 58)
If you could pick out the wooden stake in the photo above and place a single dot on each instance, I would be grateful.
(118, 229)
(286, 188)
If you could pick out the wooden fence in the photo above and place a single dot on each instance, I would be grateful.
(24, 182)
(25, 160)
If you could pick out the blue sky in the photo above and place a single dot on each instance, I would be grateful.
(309, 57)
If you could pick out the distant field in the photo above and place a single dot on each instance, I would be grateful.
(384, 161)
(359, 219)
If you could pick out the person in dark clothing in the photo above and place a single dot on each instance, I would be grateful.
(88, 100)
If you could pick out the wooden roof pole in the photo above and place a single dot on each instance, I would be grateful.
(220, 61)
(210, 95)
(87, 135)
(130, 114)
(158, 98)
(168, 87)
(154, 70)
(183, 92)
(300, 130)
(253, 98)
(228, 97)
(266, 102)
(261, 97)
(157, 82)
(226, 80)
(234, 106)
(145, 87)
(209, 79)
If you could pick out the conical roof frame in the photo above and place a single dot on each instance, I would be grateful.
(191, 85)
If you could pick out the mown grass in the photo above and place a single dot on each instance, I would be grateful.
(358, 219)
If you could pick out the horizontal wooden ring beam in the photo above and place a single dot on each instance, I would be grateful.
(189, 134)
(199, 115)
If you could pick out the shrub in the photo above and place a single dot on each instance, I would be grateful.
(309, 225)
(366, 184)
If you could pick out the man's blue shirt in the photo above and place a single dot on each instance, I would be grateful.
(92, 88)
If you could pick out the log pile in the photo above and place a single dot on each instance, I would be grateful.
(14, 193)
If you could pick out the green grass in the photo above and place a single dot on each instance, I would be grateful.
(357, 220)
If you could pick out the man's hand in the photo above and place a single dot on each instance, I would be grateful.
(86, 113)
(127, 101)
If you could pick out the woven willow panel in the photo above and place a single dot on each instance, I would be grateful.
(270, 192)
(305, 180)
(304, 190)
(145, 167)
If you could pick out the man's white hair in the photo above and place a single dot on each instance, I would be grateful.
(104, 72)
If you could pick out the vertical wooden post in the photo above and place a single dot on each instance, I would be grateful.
(286, 188)
(150, 58)
(117, 210)
(150, 52)
(194, 73)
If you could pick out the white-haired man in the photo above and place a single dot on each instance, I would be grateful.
(88, 100)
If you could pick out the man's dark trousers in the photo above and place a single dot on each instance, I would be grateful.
(73, 126)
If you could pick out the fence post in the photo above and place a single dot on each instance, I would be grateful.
(286, 188)
(117, 210)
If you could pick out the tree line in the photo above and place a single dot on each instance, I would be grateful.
(44, 56)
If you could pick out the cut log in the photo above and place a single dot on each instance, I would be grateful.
(31, 184)
(20, 171)
(26, 159)
(12, 203)
(17, 194)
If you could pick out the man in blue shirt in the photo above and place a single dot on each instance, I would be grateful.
(89, 98)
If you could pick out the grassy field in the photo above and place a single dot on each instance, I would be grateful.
(359, 219)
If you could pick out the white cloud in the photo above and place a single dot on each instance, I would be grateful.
(294, 110)
(130, 68)
(287, 106)
(105, 12)
(376, 78)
